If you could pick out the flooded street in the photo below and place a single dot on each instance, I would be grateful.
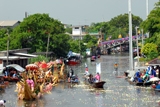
(117, 91)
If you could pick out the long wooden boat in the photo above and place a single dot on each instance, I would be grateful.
(141, 83)
(11, 79)
(94, 84)
(98, 84)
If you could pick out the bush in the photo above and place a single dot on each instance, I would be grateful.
(39, 58)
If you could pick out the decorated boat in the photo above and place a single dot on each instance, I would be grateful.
(39, 79)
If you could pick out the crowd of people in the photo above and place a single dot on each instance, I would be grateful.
(146, 74)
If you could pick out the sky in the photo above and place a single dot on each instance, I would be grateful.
(75, 12)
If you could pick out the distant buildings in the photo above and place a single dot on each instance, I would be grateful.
(78, 32)
(9, 24)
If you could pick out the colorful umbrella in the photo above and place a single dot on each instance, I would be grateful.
(31, 67)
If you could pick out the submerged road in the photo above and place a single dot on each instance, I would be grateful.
(117, 92)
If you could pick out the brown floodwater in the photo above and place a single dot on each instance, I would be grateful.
(117, 92)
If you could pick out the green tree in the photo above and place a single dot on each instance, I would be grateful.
(150, 50)
(3, 39)
(152, 23)
(33, 32)
(60, 44)
(117, 25)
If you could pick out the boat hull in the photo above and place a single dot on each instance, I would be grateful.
(73, 62)
(98, 84)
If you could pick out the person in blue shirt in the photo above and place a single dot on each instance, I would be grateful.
(137, 76)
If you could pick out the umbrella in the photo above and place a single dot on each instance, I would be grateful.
(154, 79)
(31, 67)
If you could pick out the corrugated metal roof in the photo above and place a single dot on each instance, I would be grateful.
(9, 23)
(24, 54)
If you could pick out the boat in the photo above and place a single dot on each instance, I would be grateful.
(98, 84)
(148, 83)
(11, 79)
(94, 84)
(73, 58)
(73, 80)
(89, 78)
(10, 71)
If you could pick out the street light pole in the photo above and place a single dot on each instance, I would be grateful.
(47, 45)
(147, 8)
(142, 38)
(7, 46)
(137, 45)
(130, 37)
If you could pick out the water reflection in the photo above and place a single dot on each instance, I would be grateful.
(36, 103)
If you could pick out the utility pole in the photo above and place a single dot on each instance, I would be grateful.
(137, 45)
(130, 37)
(142, 38)
(8, 46)
(47, 45)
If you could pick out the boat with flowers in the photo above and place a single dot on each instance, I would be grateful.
(39, 79)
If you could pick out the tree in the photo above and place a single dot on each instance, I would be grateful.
(3, 39)
(152, 23)
(150, 50)
(33, 32)
(60, 45)
(90, 40)
(117, 25)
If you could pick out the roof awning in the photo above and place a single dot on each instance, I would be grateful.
(17, 67)
(24, 54)
(9, 58)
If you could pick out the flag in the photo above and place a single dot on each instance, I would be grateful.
(85, 65)
(98, 68)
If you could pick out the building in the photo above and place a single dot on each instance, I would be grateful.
(9, 24)
(78, 32)
(17, 56)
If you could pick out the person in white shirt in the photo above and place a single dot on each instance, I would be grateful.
(2, 103)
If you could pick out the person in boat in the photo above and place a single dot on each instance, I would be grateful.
(14, 75)
(97, 77)
(91, 79)
(137, 76)
(6, 72)
(70, 74)
(153, 72)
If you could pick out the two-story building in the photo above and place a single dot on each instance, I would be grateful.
(78, 32)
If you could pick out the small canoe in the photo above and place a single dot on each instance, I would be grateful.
(98, 84)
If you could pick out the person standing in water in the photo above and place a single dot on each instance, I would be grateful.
(116, 68)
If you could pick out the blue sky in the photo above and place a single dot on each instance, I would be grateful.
(75, 12)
